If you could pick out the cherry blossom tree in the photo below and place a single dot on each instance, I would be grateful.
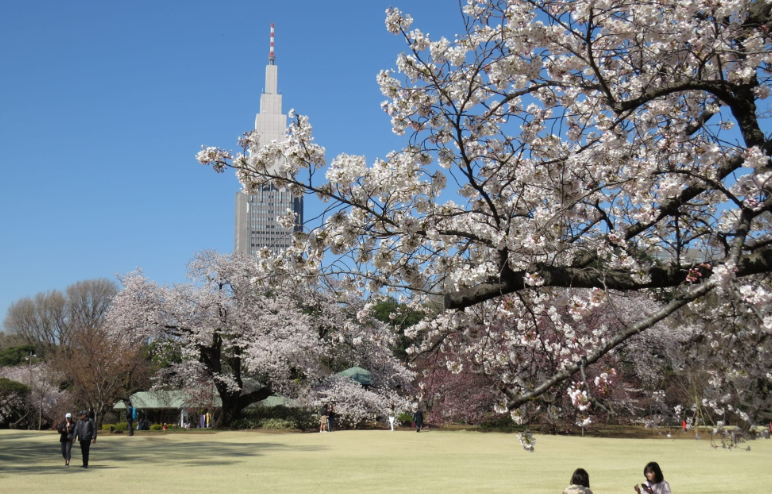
(44, 401)
(590, 144)
(253, 337)
(354, 403)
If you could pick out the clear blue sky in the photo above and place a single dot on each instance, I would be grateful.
(103, 106)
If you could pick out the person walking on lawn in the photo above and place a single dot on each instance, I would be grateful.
(418, 418)
(323, 418)
(130, 412)
(66, 430)
(86, 433)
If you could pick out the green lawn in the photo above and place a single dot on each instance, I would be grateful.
(371, 461)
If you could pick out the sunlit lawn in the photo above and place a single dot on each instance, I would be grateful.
(371, 461)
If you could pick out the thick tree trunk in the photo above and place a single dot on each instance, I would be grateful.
(234, 403)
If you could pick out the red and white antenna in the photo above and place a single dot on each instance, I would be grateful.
(271, 56)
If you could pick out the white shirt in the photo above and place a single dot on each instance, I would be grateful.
(659, 488)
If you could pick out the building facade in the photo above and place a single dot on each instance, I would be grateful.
(256, 225)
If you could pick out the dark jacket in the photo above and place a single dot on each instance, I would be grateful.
(85, 430)
(418, 417)
(65, 431)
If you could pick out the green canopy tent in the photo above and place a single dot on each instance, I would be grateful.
(358, 374)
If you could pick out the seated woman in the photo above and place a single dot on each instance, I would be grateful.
(580, 483)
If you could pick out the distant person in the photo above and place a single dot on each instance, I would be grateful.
(208, 420)
(331, 418)
(392, 416)
(655, 481)
(91, 414)
(86, 433)
(418, 419)
(201, 421)
(130, 411)
(323, 418)
(580, 483)
(66, 430)
(684, 425)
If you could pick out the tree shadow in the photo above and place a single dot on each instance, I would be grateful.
(26, 454)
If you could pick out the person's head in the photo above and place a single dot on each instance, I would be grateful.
(83, 414)
(581, 477)
(653, 473)
(68, 417)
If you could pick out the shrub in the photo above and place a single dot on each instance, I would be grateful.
(281, 417)
(243, 423)
(121, 426)
(277, 424)
(405, 418)
(156, 427)
(108, 427)
(501, 423)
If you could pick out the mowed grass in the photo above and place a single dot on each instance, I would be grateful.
(371, 461)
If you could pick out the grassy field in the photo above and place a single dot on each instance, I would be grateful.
(370, 461)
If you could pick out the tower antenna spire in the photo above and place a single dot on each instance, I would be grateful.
(271, 56)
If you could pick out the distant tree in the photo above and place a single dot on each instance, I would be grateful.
(47, 319)
(12, 400)
(15, 355)
(100, 368)
(40, 320)
(45, 400)
(8, 340)
(399, 316)
(249, 336)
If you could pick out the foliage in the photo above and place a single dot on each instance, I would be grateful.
(595, 147)
(354, 404)
(47, 319)
(118, 427)
(256, 417)
(15, 355)
(400, 317)
(276, 424)
(45, 403)
(12, 398)
(156, 427)
(252, 337)
(100, 368)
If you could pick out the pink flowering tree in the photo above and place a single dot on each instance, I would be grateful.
(354, 403)
(45, 402)
(589, 145)
(251, 336)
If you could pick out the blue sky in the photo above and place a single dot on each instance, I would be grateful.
(103, 106)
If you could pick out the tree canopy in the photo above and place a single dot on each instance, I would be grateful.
(553, 147)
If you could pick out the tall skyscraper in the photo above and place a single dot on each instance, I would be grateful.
(256, 213)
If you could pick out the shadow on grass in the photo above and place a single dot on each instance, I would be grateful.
(25, 453)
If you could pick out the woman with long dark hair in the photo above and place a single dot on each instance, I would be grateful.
(655, 481)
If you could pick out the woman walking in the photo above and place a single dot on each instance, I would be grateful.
(66, 430)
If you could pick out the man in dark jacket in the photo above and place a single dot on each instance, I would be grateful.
(418, 418)
(130, 417)
(86, 433)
